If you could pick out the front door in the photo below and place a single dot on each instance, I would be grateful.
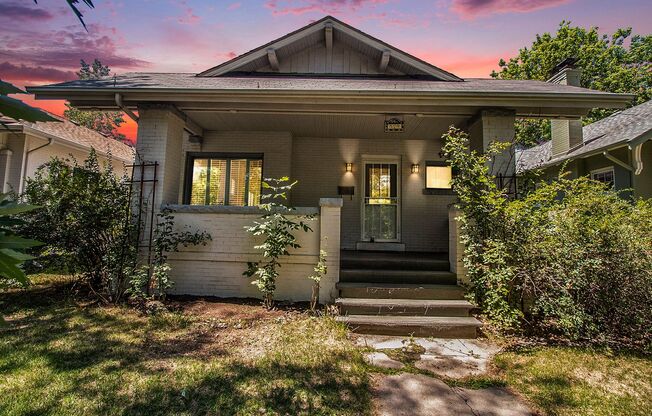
(380, 211)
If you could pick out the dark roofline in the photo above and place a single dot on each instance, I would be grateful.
(317, 22)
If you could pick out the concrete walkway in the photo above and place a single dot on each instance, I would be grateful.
(418, 394)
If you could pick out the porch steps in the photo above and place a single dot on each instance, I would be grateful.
(403, 276)
(405, 307)
(403, 294)
(419, 326)
(393, 261)
(400, 291)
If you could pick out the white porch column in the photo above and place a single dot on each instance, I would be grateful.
(329, 241)
(491, 126)
(5, 166)
(455, 246)
(160, 136)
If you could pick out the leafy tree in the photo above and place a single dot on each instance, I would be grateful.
(105, 122)
(607, 62)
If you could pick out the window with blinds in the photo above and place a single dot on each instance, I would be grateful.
(223, 180)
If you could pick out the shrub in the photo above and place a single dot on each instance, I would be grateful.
(571, 258)
(82, 220)
(278, 230)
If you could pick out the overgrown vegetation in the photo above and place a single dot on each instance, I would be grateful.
(320, 270)
(571, 259)
(82, 221)
(277, 228)
(89, 229)
(153, 280)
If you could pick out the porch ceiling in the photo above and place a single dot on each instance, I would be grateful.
(327, 125)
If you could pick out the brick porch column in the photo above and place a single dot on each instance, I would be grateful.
(160, 137)
(329, 241)
(490, 126)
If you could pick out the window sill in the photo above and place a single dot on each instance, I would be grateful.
(433, 191)
(232, 209)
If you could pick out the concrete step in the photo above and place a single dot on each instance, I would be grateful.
(394, 261)
(398, 276)
(400, 291)
(418, 326)
(412, 307)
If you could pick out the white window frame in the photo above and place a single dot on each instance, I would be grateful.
(605, 170)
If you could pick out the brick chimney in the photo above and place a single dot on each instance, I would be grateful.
(566, 134)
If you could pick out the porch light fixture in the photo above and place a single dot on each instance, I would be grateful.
(349, 167)
(415, 168)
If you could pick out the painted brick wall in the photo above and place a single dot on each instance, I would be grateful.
(160, 136)
(216, 269)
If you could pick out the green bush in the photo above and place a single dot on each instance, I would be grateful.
(571, 258)
(82, 221)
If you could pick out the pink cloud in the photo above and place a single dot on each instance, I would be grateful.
(234, 6)
(298, 7)
(26, 73)
(18, 11)
(63, 49)
(470, 9)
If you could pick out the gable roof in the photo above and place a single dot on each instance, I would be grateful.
(626, 127)
(67, 131)
(316, 33)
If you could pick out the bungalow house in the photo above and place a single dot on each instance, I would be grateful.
(616, 150)
(26, 146)
(358, 123)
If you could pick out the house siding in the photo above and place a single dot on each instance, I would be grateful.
(319, 166)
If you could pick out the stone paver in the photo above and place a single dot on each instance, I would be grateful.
(380, 359)
(420, 395)
(453, 358)
(493, 401)
(416, 395)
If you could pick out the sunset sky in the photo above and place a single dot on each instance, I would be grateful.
(43, 43)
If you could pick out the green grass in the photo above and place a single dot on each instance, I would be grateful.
(60, 358)
(575, 381)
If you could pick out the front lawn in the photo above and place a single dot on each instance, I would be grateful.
(580, 381)
(60, 357)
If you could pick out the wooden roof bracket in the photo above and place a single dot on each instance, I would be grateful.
(384, 61)
(328, 37)
(273, 59)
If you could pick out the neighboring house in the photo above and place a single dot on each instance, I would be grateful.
(25, 146)
(615, 150)
(358, 123)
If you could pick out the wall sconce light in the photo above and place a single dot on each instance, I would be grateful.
(415, 168)
(349, 167)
